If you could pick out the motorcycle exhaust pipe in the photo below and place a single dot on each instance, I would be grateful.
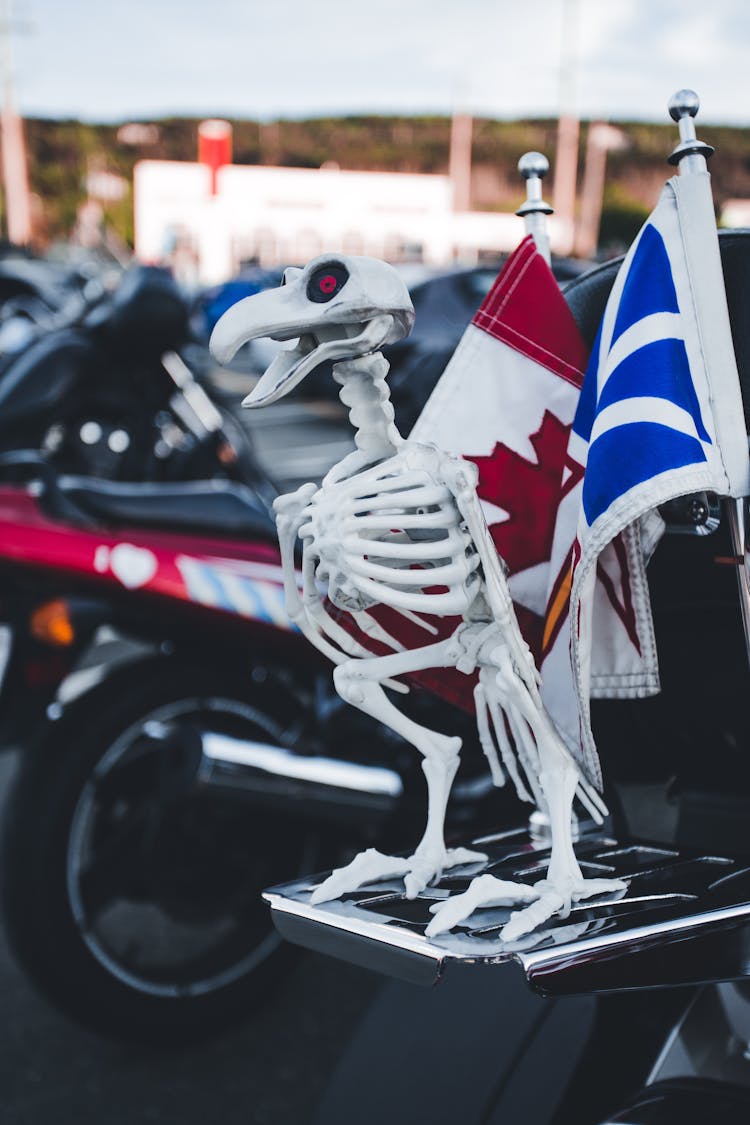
(332, 787)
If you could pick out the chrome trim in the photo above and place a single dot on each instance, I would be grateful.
(6, 648)
(333, 773)
(738, 530)
(193, 393)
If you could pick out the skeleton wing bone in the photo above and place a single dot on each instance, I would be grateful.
(461, 478)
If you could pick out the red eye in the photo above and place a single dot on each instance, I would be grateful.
(326, 282)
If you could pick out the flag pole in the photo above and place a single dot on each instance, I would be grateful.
(737, 516)
(534, 166)
(690, 157)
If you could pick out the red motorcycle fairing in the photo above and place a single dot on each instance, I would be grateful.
(240, 578)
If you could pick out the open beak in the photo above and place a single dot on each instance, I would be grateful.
(276, 313)
(289, 367)
(272, 312)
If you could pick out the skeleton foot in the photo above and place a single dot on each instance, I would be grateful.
(372, 866)
(551, 898)
(367, 867)
(486, 890)
(428, 864)
(555, 898)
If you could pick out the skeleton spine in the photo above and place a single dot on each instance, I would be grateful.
(365, 393)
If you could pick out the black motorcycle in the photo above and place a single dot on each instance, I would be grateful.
(181, 747)
(113, 384)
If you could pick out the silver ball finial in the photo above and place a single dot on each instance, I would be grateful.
(683, 106)
(533, 164)
(685, 103)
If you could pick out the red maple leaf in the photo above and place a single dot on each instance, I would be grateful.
(529, 491)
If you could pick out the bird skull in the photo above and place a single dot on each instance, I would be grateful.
(337, 307)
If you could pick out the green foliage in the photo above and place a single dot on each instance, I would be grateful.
(60, 152)
(622, 218)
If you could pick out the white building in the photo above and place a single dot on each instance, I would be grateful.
(735, 213)
(285, 216)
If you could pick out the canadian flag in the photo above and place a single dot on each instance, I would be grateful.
(506, 401)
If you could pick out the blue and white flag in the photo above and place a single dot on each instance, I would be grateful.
(659, 416)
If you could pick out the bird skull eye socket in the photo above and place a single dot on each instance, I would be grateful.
(326, 281)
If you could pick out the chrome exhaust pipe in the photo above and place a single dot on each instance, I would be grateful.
(276, 774)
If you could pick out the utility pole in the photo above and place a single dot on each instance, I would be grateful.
(12, 145)
(602, 139)
(462, 127)
(568, 128)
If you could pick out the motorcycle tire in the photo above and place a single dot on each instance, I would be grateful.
(131, 893)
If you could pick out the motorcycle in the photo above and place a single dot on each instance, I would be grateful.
(33, 293)
(162, 791)
(112, 384)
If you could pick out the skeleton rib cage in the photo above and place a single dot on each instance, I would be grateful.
(395, 538)
(393, 534)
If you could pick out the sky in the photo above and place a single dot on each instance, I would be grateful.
(117, 60)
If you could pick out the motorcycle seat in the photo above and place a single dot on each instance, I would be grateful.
(217, 507)
(587, 295)
(146, 315)
(36, 381)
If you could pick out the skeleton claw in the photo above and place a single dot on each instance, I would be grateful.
(372, 866)
(486, 890)
(429, 865)
(556, 899)
(550, 897)
(368, 867)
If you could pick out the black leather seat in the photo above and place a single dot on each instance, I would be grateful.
(145, 316)
(220, 508)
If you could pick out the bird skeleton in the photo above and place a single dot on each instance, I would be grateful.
(398, 523)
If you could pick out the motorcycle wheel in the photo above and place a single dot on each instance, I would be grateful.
(131, 893)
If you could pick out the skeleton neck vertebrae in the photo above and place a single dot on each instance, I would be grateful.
(366, 395)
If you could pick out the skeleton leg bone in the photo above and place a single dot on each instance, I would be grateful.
(359, 682)
(564, 883)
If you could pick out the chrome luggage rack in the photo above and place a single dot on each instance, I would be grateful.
(684, 919)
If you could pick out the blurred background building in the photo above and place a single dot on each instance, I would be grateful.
(210, 217)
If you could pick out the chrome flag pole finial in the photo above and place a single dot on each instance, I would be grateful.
(534, 166)
(683, 108)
